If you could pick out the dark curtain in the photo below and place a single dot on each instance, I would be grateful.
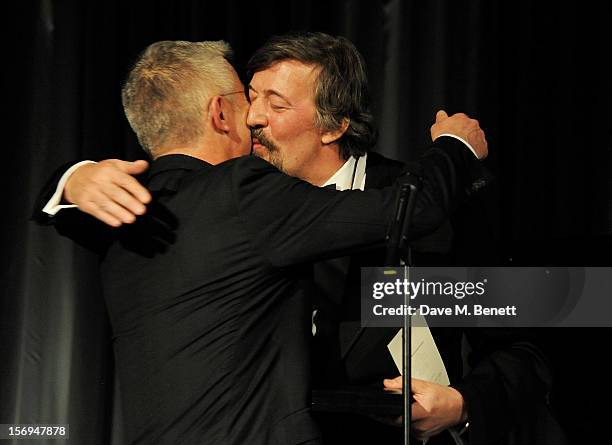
(533, 73)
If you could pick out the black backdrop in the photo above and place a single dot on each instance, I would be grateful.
(533, 73)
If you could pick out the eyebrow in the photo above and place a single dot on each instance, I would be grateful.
(271, 93)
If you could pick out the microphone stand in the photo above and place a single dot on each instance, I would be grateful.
(397, 241)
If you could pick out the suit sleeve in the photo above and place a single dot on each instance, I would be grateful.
(46, 193)
(72, 223)
(291, 221)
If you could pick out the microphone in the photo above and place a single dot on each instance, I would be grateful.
(397, 238)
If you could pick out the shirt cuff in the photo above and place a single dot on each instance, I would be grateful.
(54, 206)
(462, 140)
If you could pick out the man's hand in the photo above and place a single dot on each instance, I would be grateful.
(461, 125)
(435, 409)
(108, 192)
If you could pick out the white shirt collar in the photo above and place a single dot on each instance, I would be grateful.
(343, 178)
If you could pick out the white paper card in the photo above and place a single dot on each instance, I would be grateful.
(427, 363)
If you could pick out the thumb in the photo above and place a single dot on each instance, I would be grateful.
(441, 115)
(395, 383)
(133, 168)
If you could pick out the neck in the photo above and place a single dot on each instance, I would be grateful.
(324, 166)
(206, 150)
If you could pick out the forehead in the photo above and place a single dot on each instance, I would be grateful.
(288, 77)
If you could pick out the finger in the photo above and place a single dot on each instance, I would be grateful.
(102, 215)
(131, 168)
(122, 214)
(105, 204)
(121, 197)
(135, 188)
(476, 134)
(395, 383)
(441, 115)
(139, 166)
(478, 141)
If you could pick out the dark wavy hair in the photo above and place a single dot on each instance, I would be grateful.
(342, 85)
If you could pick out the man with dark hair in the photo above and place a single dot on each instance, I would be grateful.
(281, 74)
(341, 88)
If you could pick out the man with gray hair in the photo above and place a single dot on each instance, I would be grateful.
(210, 330)
(166, 94)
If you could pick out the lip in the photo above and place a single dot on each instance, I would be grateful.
(256, 143)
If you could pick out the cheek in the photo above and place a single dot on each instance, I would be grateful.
(281, 128)
(291, 124)
(247, 135)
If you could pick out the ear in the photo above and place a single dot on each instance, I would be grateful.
(330, 137)
(216, 108)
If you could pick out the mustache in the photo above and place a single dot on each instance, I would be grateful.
(258, 134)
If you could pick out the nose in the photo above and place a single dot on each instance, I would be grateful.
(257, 117)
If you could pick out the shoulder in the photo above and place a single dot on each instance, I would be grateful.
(236, 170)
(248, 162)
(377, 160)
(247, 166)
(253, 176)
(382, 171)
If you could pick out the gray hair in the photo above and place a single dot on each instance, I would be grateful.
(168, 90)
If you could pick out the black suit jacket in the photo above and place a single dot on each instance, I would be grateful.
(345, 353)
(506, 389)
(211, 331)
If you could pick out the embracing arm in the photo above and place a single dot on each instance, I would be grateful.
(75, 195)
(106, 190)
(291, 221)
